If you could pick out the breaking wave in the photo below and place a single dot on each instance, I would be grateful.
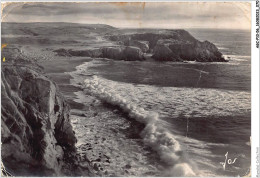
(238, 58)
(153, 105)
(159, 139)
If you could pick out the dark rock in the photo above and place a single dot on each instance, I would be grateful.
(129, 53)
(86, 53)
(172, 45)
(35, 125)
(79, 53)
(143, 45)
(128, 166)
(95, 167)
(116, 53)
(133, 54)
(174, 50)
(153, 38)
(164, 53)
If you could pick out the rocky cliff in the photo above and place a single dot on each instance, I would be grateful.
(162, 45)
(36, 133)
(187, 51)
(171, 45)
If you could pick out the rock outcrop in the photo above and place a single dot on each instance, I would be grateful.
(128, 53)
(164, 53)
(172, 45)
(36, 133)
(116, 53)
(133, 53)
(143, 45)
(162, 45)
(187, 51)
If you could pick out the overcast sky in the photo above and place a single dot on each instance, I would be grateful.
(236, 15)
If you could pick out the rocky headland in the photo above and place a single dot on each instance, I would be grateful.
(175, 45)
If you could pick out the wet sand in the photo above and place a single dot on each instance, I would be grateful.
(56, 69)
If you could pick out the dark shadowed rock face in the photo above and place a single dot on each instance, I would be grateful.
(129, 53)
(196, 51)
(113, 53)
(187, 51)
(37, 136)
(164, 53)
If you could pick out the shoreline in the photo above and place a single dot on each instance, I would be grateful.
(111, 133)
(58, 71)
(127, 116)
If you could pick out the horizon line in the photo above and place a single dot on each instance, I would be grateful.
(247, 29)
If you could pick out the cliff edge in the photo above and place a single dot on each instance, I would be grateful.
(36, 134)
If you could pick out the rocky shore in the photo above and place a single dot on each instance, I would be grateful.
(36, 133)
(172, 45)
(103, 41)
(177, 45)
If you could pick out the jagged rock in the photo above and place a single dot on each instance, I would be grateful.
(208, 52)
(133, 54)
(185, 50)
(167, 45)
(173, 45)
(143, 45)
(174, 50)
(35, 124)
(164, 53)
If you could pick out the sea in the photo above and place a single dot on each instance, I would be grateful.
(167, 118)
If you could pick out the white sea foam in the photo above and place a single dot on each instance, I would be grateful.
(238, 58)
(169, 101)
(145, 103)
(157, 138)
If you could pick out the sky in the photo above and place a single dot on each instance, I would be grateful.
(224, 15)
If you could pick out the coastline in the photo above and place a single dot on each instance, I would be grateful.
(110, 141)
(111, 133)
(58, 71)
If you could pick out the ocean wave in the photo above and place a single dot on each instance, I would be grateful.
(172, 102)
(159, 139)
(150, 105)
(238, 58)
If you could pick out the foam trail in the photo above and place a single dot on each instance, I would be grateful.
(164, 143)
